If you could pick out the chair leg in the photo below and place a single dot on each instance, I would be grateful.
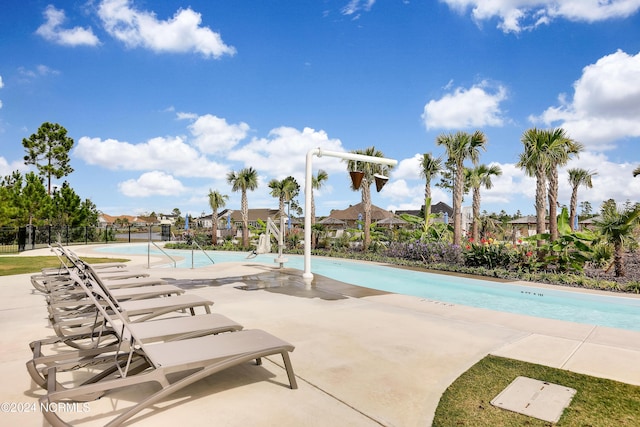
(287, 365)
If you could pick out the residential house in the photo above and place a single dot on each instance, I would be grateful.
(525, 226)
(441, 209)
(105, 220)
(355, 213)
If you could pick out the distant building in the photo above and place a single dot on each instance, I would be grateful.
(442, 209)
(168, 219)
(355, 213)
(105, 220)
(526, 226)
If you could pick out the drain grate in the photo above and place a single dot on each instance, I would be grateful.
(535, 398)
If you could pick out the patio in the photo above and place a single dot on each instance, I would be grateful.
(362, 358)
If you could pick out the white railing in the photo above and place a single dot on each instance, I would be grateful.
(161, 250)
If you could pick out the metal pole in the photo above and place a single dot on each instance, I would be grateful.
(307, 275)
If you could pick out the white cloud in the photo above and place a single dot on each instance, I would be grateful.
(613, 180)
(400, 190)
(52, 30)
(7, 168)
(407, 194)
(154, 183)
(355, 6)
(168, 154)
(406, 186)
(284, 151)
(26, 75)
(518, 15)
(185, 115)
(182, 33)
(605, 105)
(43, 70)
(507, 187)
(213, 135)
(408, 168)
(477, 106)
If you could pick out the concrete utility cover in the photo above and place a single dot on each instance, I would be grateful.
(538, 399)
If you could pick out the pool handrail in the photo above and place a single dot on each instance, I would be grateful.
(202, 250)
(175, 264)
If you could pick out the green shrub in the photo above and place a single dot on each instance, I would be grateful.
(632, 287)
(489, 255)
(602, 255)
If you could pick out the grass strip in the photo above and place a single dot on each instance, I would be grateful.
(598, 401)
(34, 264)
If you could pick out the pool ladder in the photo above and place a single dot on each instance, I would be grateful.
(175, 264)
(202, 250)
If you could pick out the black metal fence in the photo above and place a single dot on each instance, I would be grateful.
(19, 239)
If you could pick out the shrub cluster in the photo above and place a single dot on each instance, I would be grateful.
(427, 252)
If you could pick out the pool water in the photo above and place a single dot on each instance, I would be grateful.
(612, 311)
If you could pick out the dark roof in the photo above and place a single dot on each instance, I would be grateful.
(529, 219)
(332, 221)
(438, 208)
(412, 212)
(351, 213)
(254, 214)
(591, 220)
(394, 220)
(441, 207)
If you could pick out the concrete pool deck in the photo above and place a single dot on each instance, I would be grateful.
(362, 358)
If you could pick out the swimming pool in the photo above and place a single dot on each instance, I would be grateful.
(604, 310)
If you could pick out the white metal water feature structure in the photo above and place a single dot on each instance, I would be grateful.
(307, 275)
(264, 242)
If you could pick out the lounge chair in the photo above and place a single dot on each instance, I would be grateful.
(44, 282)
(105, 342)
(58, 276)
(139, 362)
(71, 318)
(85, 329)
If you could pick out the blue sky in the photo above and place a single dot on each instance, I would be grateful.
(163, 99)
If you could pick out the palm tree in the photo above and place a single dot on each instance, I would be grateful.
(578, 177)
(461, 146)
(617, 228)
(480, 176)
(560, 150)
(544, 151)
(369, 170)
(429, 166)
(285, 190)
(316, 183)
(245, 179)
(216, 201)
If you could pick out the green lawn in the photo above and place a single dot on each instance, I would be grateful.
(598, 402)
(33, 264)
